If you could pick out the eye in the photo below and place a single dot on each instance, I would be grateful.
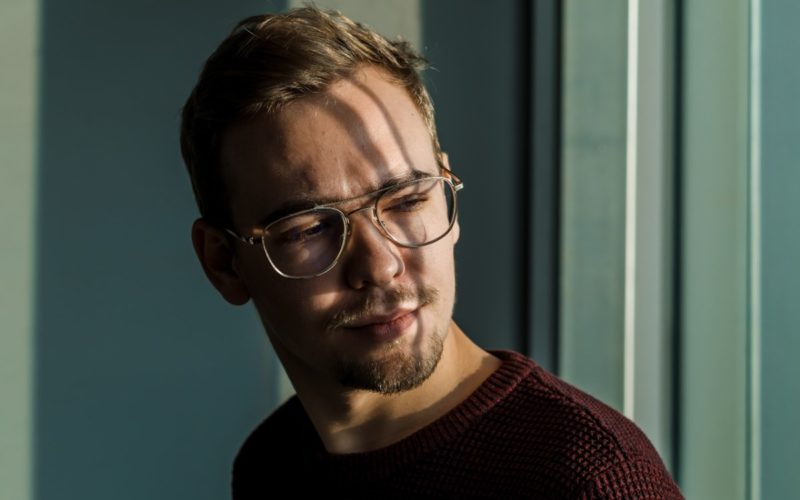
(304, 233)
(410, 203)
(304, 229)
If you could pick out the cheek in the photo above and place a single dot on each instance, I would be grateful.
(434, 266)
(436, 259)
(287, 304)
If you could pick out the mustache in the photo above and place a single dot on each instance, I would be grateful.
(388, 300)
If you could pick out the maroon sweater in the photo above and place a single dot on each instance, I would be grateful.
(524, 433)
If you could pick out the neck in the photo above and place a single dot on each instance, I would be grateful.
(351, 421)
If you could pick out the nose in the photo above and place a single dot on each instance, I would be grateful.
(370, 259)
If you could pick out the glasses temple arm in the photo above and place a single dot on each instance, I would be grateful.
(458, 184)
(250, 240)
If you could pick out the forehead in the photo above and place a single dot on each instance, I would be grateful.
(364, 130)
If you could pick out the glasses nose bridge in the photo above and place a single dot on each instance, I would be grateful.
(373, 216)
(369, 206)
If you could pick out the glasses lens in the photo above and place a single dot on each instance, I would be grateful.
(305, 244)
(419, 212)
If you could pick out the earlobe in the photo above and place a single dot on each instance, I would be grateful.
(216, 255)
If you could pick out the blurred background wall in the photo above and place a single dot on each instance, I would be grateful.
(631, 175)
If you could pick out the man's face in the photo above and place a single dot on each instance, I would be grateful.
(379, 318)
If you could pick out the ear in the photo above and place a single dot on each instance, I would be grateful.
(444, 160)
(216, 255)
(456, 231)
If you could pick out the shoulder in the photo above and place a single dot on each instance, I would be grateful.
(285, 439)
(586, 444)
(283, 428)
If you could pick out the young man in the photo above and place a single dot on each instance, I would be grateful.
(325, 199)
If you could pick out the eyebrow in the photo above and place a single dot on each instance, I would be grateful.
(307, 202)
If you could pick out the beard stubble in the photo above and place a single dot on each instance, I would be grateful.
(400, 367)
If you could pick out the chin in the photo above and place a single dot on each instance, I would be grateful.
(398, 370)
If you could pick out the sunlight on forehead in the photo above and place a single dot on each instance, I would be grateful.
(363, 130)
(352, 139)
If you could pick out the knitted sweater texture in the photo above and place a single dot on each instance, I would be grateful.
(524, 433)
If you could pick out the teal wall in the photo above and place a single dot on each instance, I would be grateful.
(714, 243)
(736, 155)
(593, 187)
(780, 249)
(740, 398)
(617, 230)
(146, 381)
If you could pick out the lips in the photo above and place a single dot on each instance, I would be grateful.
(385, 326)
(378, 319)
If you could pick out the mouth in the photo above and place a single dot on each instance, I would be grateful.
(385, 327)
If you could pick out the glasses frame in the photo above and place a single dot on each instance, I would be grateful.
(456, 184)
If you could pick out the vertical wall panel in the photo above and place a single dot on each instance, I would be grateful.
(544, 192)
(714, 246)
(19, 43)
(617, 247)
(780, 244)
(593, 197)
(653, 328)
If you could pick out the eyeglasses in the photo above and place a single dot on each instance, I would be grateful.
(309, 243)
